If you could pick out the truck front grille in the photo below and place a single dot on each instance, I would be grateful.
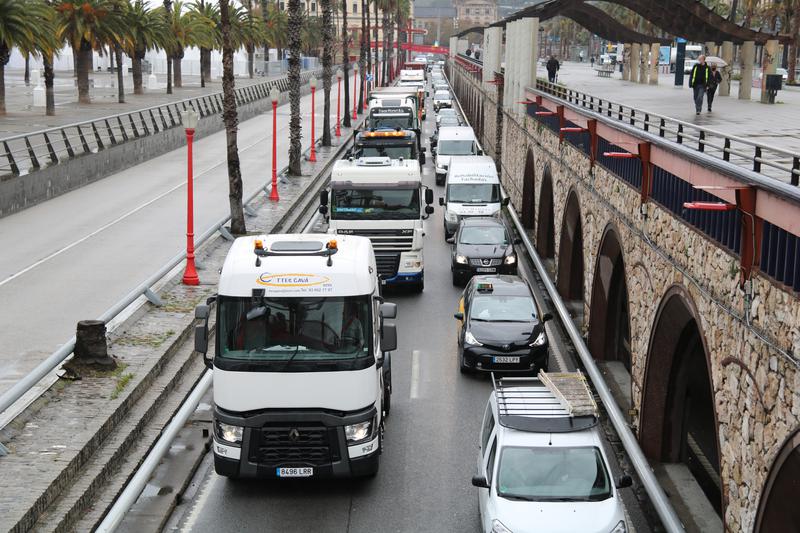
(387, 264)
(387, 240)
(291, 445)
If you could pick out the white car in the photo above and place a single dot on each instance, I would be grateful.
(445, 112)
(782, 71)
(442, 99)
(544, 472)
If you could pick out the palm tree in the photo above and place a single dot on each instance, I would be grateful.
(327, 51)
(294, 34)
(346, 67)
(167, 12)
(231, 119)
(117, 43)
(375, 34)
(362, 59)
(187, 29)
(249, 31)
(25, 24)
(148, 31)
(87, 26)
(311, 35)
(210, 12)
(276, 28)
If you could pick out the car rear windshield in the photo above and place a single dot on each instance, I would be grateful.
(499, 308)
(553, 474)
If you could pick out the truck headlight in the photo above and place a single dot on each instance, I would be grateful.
(358, 432)
(461, 260)
(450, 217)
(229, 432)
(498, 527)
(412, 263)
(620, 527)
(470, 339)
(540, 340)
(510, 260)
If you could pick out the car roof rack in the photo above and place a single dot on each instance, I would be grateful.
(549, 403)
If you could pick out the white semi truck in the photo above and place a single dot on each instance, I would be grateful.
(381, 198)
(302, 370)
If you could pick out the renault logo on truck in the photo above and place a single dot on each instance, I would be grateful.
(294, 434)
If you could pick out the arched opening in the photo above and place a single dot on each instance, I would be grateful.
(528, 188)
(778, 510)
(545, 226)
(678, 420)
(609, 321)
(570, 252)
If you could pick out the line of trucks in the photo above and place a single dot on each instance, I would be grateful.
(302, 335)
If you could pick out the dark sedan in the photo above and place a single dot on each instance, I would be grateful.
(500, 327)
(482, 245)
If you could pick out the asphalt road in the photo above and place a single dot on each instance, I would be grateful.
(72, 257)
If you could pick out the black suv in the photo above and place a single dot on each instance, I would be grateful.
(482, 245)
(500, 327)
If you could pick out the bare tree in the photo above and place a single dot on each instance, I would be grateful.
(231, 119)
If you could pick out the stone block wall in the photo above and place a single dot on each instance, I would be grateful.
(754, 375)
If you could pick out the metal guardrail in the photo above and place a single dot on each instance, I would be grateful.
(143, 289)
(658, 497)
(28, 152)
(770, 161)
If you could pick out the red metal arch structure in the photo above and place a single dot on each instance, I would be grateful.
(683, 18)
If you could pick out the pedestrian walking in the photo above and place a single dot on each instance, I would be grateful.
(580, 55)
(698, 81)
(591, 60)
(552, 68)
(713, 82)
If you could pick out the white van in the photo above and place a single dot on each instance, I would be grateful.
(455, 140)
(472, 190)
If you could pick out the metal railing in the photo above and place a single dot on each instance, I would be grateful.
(658, 497)
(770, 161)
(20, 388)
(25, 153)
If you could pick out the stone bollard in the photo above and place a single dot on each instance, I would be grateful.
(152, 82)
(39, 96)
(91, 347)
(35, 76)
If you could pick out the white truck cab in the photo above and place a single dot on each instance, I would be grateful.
(454, 140)
(415, 75)
(382, 199)
(302, 375)
(472, 190)
(542, 465)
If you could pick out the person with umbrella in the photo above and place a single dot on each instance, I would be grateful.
(698, 81)
(552, 69)
(714, 79)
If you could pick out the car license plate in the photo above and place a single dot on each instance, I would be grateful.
(505, 359)
(295, 472)
(484, 269)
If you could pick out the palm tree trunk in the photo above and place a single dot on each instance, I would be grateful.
(168, 14)
(49, 93)
(362, 60)
(265, 17)
(120, 75)
(346, 60)
(84, 64)
(231, 119)
(205, 64)
(176, 69)
(3, 86)
(327, 60)
(793, 50)
(375, 34)
(27, 69)
(369, 45)
(251, 58)
(136, 68)
(294, 28)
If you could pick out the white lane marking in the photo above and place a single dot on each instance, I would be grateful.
(123, 217)
(414, 375)
(199, 504)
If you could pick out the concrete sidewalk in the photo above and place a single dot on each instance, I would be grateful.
(22, 117)
(775, 125)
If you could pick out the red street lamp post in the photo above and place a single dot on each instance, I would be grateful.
(189, 120)
(313, 83)
(274, 95)
(339, 75)
(355, 82)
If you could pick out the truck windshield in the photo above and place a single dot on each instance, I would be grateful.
(473, 193)
(392, 122)
(455, 147)
(395, 151)
(553, 474)
(303, 331)
(375, 204)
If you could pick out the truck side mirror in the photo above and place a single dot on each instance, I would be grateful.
(547, 317)
(624, 481)
(428, 210)
(388, 338)
(506, 201)
(480, 152)
(441, 201)
(429, 196)
(323, 197)
(480, 482)
(422, 157)
(458, 316)
(388, 310)
(202, 312)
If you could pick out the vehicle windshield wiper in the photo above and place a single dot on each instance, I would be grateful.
(516, 497)
(480, 319)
